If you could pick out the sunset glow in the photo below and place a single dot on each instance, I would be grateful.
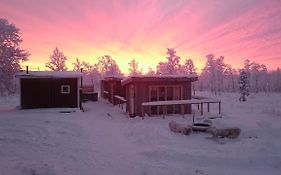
(143, 29)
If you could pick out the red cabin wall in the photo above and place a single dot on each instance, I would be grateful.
(142, 93)
(46, 93)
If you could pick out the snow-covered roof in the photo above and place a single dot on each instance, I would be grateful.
(116, 78)
(49, 74)
(146, 78)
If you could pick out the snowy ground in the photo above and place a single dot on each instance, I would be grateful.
(103, 140)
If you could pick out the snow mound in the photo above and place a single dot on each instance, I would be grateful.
(38, 169)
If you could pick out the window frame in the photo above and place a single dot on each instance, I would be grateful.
(62, 89)
(178, 94)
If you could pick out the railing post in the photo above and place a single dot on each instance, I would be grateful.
(220, 107)
(182, 110)
(142, 112)
(201, 108)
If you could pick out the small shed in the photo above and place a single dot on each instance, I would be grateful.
(111, 86)
(140, 89)
(89, 92)
(49, 89)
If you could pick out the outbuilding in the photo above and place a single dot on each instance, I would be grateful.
(141, 89)
(49, 89)
(111, 87)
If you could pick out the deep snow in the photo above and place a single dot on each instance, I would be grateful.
(103, 140)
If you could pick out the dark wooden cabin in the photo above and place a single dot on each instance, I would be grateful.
(111, 86)
(49, 89)
(141, 89)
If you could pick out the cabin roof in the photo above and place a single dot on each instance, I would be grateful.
(49, 74)
(159, 78)
(113, 78)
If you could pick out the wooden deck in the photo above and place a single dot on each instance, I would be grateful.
(199, 101)
(120, 101)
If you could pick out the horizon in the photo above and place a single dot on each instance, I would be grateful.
(142, 30)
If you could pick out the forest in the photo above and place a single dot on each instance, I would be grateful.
(217, 76)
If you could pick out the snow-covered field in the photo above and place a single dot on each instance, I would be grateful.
(102, 140)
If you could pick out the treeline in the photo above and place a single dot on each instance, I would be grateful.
(216, 76)
(107, 66)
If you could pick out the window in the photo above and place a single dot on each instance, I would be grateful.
(153, 92)
(163, 93)
(65, 89)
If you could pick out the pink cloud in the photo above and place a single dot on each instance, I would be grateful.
(145, 28)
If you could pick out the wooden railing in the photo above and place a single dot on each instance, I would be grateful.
(200, 102)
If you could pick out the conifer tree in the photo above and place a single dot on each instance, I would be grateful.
(243, 85)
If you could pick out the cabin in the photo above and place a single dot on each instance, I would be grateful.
(141, 89)
(49, 89)
(110, 88)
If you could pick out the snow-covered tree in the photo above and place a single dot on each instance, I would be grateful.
(150, 72)
(10, 55)
(77, 65)
(171, 66)
(219, 72)
(161, 68)
(189, 67)
(57, 61)
(208, 75)
(247, 65)
(134, 68)
(258, 76)
(108, 66)
(276, 80)
(173, 63)
(230, 79)
(91, 74)
(213, 74)
(243, 85)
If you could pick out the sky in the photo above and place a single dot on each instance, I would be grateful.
(144, 29)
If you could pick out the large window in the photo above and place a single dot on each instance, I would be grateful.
(165, 93)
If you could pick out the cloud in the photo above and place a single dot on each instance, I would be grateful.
(143, 29)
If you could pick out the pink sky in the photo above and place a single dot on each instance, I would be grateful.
(143, 29)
